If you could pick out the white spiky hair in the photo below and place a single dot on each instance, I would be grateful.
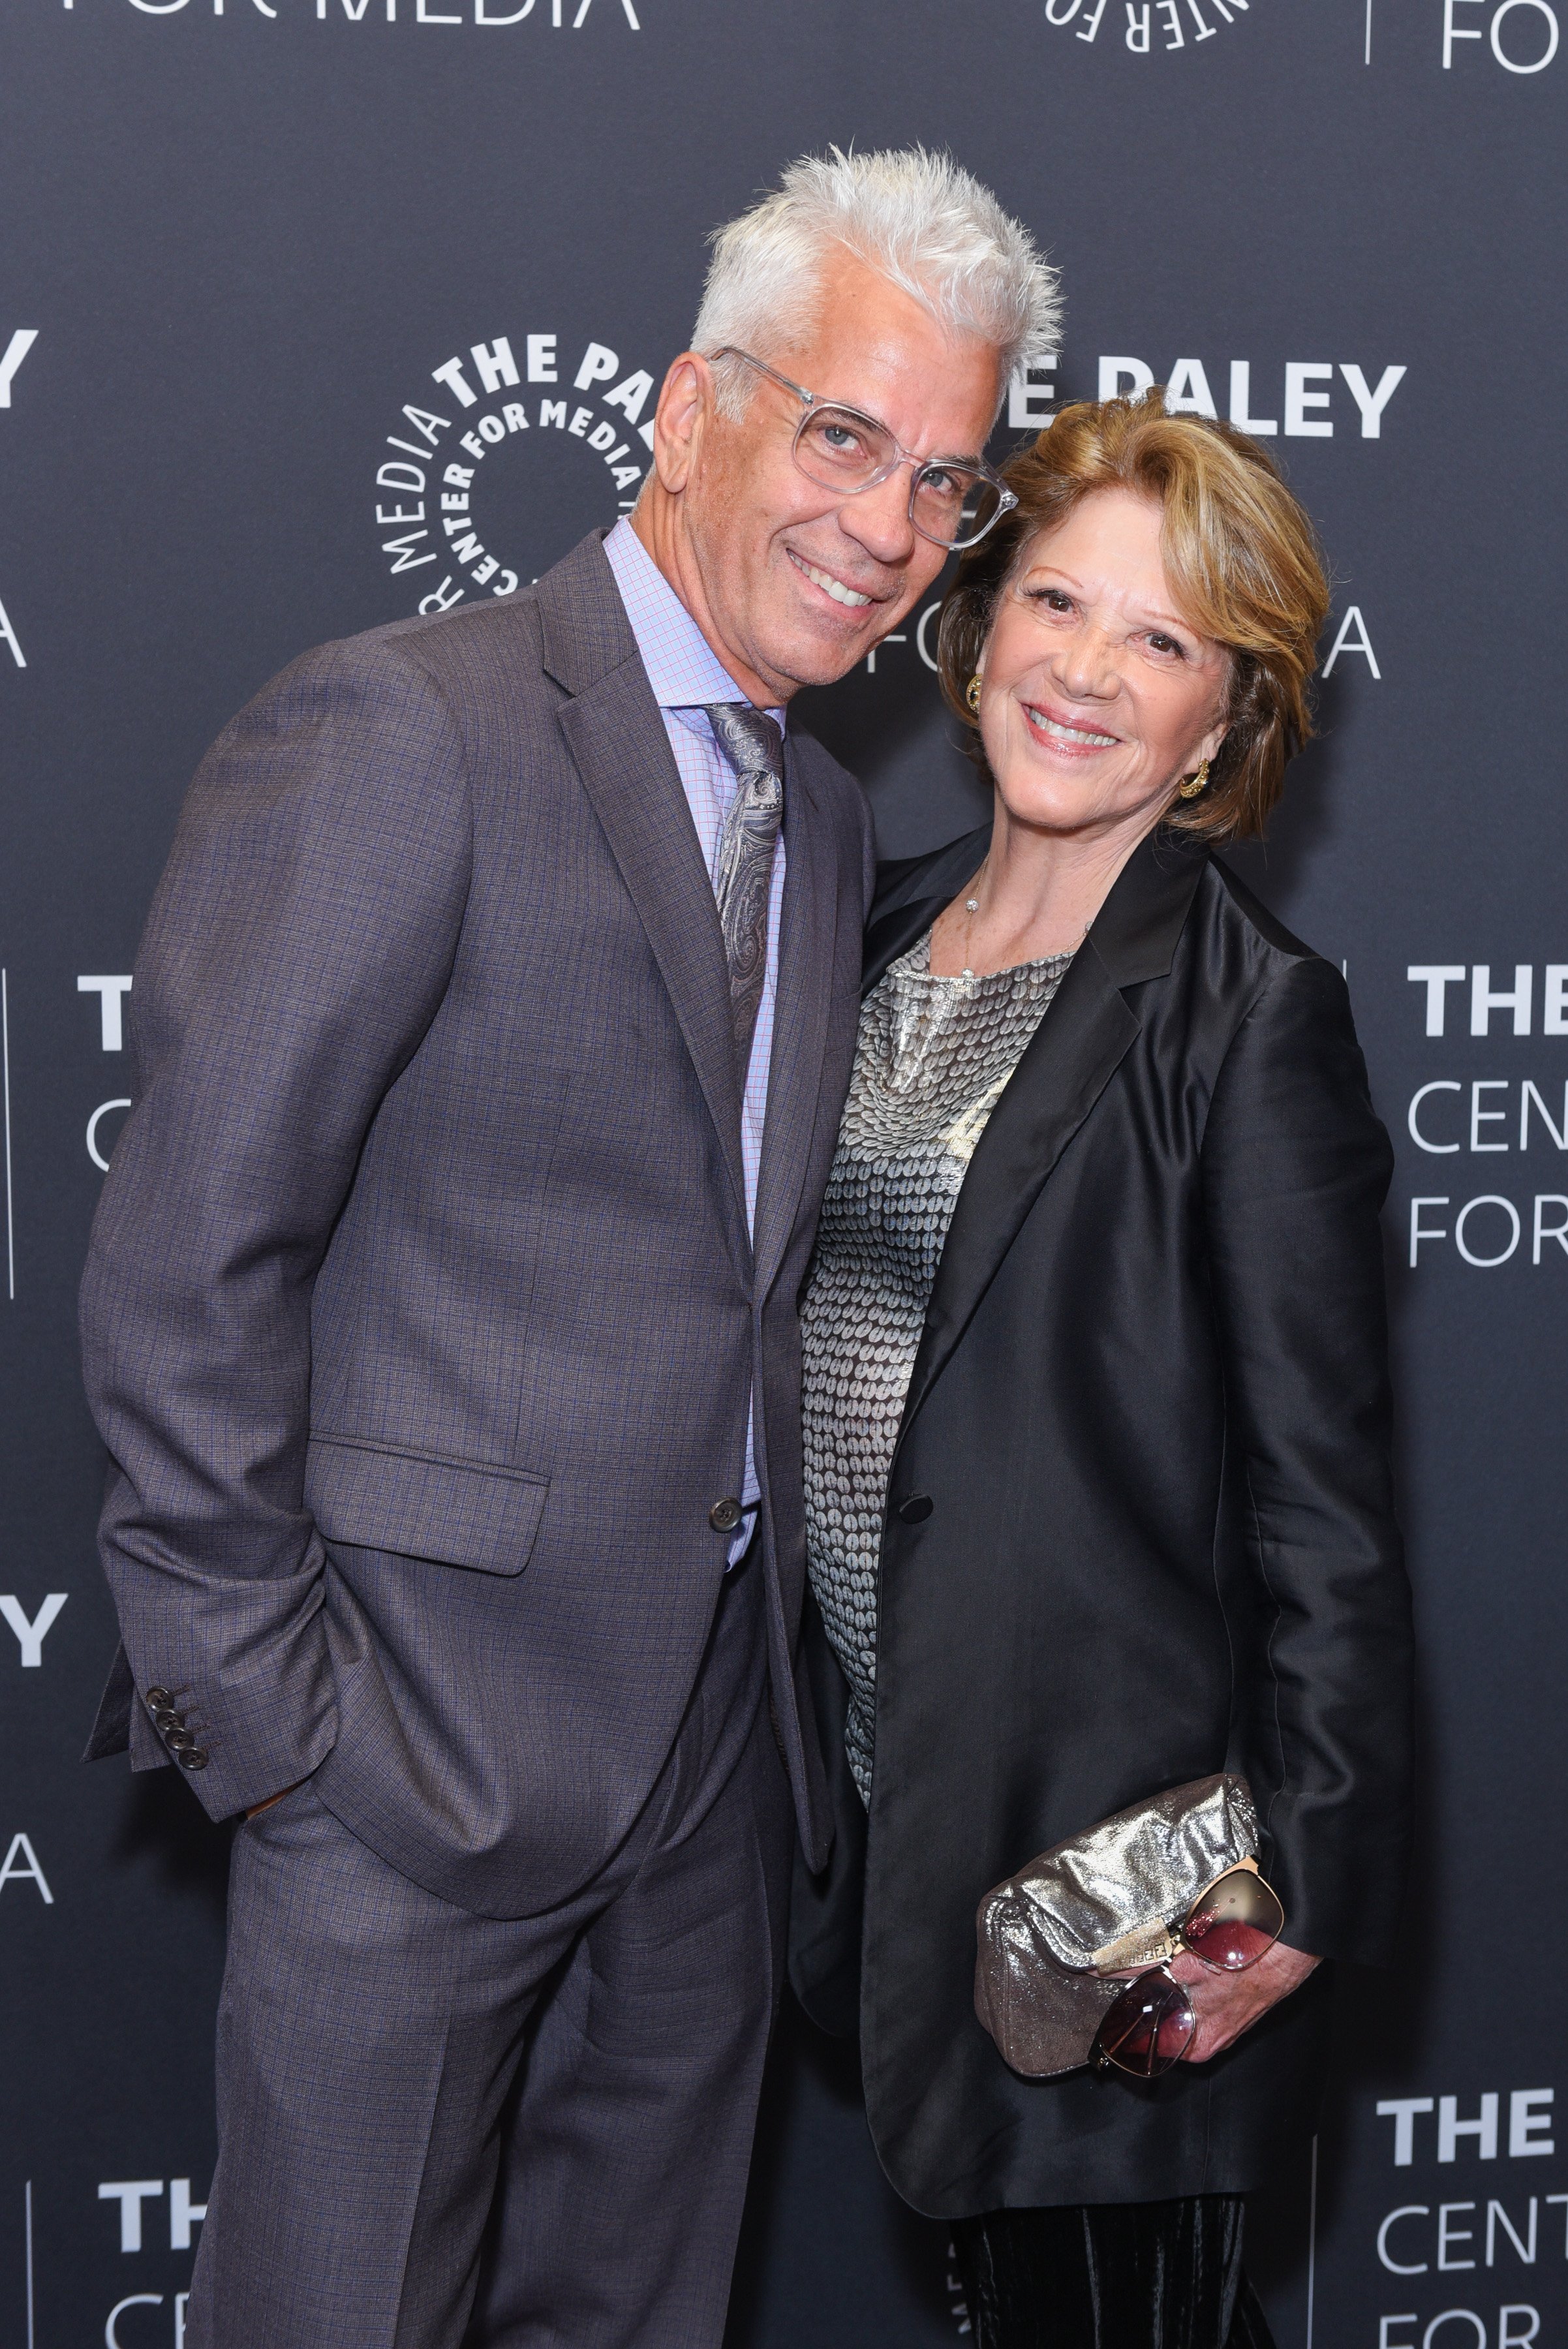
(916, 218)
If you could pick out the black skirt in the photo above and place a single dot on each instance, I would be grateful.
(1126, 2275)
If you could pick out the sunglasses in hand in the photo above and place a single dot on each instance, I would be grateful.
(1230, 1926)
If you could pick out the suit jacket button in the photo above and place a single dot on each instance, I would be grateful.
(724, 1515)
(191, 1758)
(165, 1719)
(915, 1509)
(157, 1698)
(180, 1741)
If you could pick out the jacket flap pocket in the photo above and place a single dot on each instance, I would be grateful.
(457, 1512)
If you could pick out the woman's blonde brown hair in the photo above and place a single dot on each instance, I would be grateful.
(1241, 554)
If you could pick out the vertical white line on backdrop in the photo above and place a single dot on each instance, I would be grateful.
(5, 1094)
(28, 2221)
(1367, 60)
(1312, 2244)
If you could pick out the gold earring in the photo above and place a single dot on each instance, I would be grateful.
(972, 693)
(1194, 784)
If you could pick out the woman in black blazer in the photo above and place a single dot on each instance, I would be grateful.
(1096, 1397)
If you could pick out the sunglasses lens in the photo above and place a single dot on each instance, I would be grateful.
(1236, 1921)
(1148, 2028)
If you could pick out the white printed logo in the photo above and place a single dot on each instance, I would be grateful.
(1147, 26)
(572, 14)
(1464, 1116)
(1521, 36)
(523, 453)
(1302, 391)
(15, 350)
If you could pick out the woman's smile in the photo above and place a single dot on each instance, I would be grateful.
(1060, 730)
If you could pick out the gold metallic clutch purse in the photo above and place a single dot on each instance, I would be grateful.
(1124, 1895)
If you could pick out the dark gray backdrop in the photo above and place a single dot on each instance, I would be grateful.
(243, 234)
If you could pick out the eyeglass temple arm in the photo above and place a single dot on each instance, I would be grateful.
(812, 398)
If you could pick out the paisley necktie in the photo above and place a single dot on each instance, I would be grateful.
(743, 877)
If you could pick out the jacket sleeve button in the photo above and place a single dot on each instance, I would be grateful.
(193, 1758)
(157, 1698)
(915, 1509)
(724, 1515)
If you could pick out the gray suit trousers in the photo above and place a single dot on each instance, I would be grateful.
(437, 2127)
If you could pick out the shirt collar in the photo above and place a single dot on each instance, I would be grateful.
(683, 667)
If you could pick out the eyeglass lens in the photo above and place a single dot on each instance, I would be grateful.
(951, 504)
(1148, 2029)
(1235, 1922)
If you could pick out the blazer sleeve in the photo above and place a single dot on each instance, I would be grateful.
(299, 944)
(1296, 1167)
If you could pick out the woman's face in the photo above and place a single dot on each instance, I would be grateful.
(1097, 697)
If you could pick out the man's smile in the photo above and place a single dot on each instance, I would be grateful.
(840, 590)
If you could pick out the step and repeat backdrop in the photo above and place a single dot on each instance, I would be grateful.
(317, 312)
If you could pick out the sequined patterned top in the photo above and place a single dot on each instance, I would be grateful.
(931, 1060)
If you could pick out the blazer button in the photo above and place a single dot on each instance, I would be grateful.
(159, 1698)
(724, 1515)
(180, 1741)
(915, 1509)
(193, 1758)
(165, 1720)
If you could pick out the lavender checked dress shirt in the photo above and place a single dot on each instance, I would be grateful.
(685, 674)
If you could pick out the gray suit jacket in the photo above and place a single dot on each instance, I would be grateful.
(421, 1314)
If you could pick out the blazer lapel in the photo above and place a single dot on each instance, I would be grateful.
(892, 933)
(807, 926)
(911, 895)
(1066, 1067)
(616, 737)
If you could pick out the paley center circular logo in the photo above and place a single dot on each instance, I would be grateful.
(521, 447)
(1146, 27)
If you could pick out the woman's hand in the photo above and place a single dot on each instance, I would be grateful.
(1228, 2004)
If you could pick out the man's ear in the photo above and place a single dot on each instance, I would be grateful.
(684, 399)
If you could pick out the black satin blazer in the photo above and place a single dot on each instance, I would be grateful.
(1139, 1528)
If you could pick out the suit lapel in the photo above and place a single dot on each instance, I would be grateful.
(616, 737)
(806, 941)
(1066, 1067)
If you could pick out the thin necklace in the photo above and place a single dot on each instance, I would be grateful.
(972, 907)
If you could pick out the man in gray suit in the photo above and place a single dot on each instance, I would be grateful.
(491, 1029)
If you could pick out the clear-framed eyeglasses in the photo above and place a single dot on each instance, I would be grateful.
(953, 500)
